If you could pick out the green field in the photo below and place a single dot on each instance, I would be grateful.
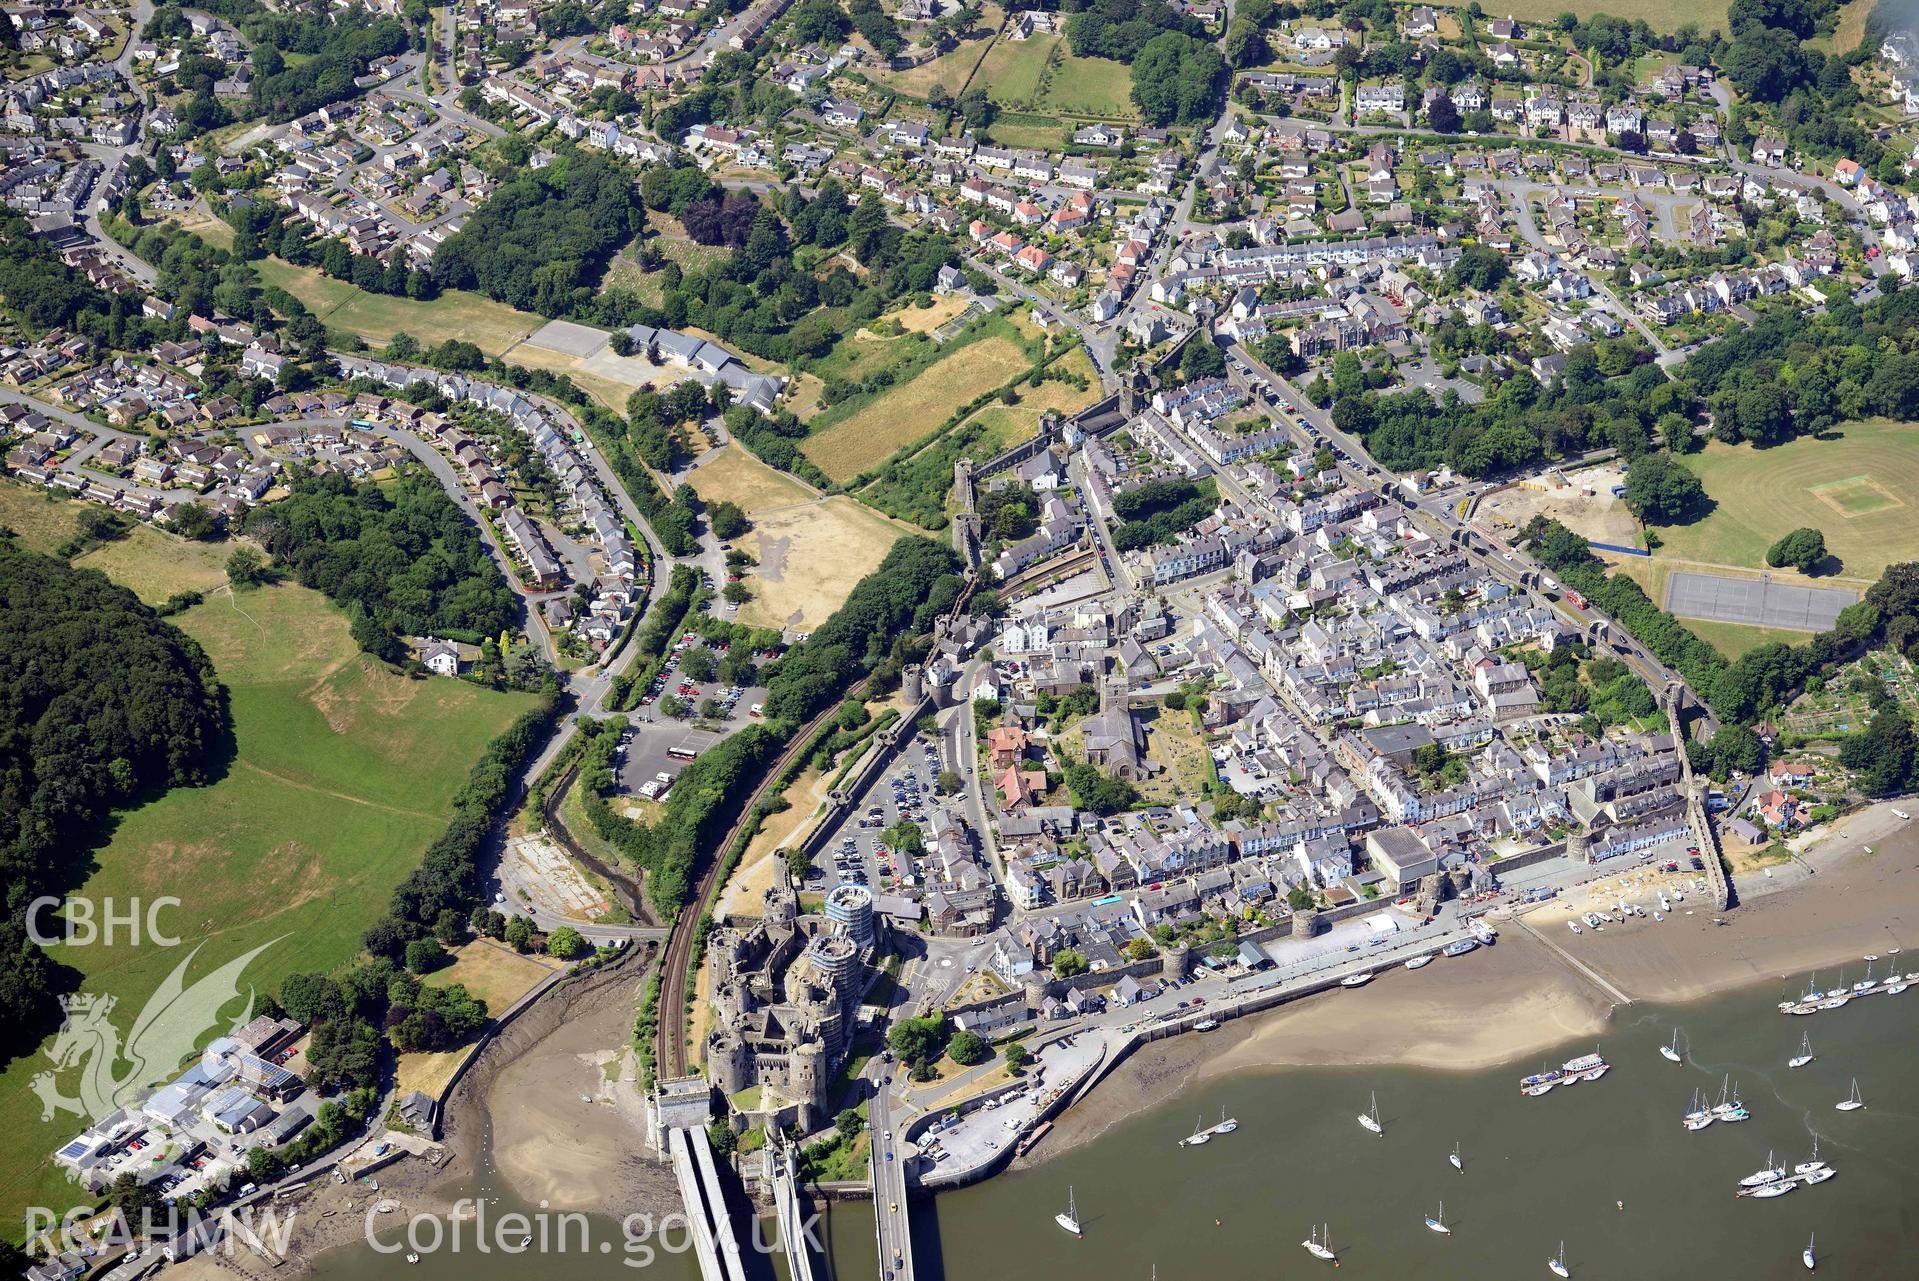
(1658, 14)
(1861, 489)
(1017, 77)
(492, 327)
(344, 772)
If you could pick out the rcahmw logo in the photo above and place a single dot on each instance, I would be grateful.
(173, 1021)
(48, 926)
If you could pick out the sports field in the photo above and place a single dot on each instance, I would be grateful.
(343, 774)
(915, 408)
(811, 550)
(470, 317)
(1860, 489)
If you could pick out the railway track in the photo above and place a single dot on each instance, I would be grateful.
(669, 1053)
(669, 1049)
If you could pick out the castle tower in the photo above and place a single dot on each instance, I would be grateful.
(850, 909)
(835, 961)
(913, 683)
(808, 1077)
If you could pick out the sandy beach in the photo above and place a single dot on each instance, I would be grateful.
(1523, 996)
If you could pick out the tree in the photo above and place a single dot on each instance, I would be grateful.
(1201, 359)
(1176, 78)
(566, 943)
(1802, 549)
(1442, 115)
(1067, 963)
(848, 1123)
(425, 955)
(1299, 898)
(519, 934)
(905, 837)
(1661, 491)
(728, 520)
(1016, 1056)
(948, 782)
(1882, 753)
(919, 1041)
(246, 567)
(697, 663)
(1099, 792)
(967, 1049)
(720, 1135)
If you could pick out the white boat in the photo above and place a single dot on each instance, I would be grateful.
(1808, 1166)
(1573, 926)
(1804, 1056)
(1852, 1102)
(1070, 1219)
(1319, 1244)
(1439, 1224)
(1206, 1025)
(1865, 984)
(1698, 1116)
(1895, 987)
(1541, 1081)
(1483, 932)
(1420, 962)
(1671, 1052)
(1459, 947)
(412, 1258)
(1770, 1190)
(1360, 979)
(1811, 1177)
(1770, 1173)
(1199, 1135)
(1587, 1067)
(1227, 1124)
(1806, 1256)
(1457, 1163)
(1558, 1262)
(1834, 1002)
(1370, 1119)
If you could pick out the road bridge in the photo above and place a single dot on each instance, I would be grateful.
(889, 1189)
(714, 1242)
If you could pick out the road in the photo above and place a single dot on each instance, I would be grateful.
(889, 1182)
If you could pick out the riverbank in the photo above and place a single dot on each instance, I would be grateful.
(550, 1113)
(1522, 997)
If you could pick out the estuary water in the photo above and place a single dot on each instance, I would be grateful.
(1537, 1171)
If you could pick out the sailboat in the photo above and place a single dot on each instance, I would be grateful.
(1806, 1256)
(1070, 1219)
(1807, 1167)
(1865, 984)
(1852, 1102)
(1804, 1056)
(1199, 1135)
(1320, 1244)
(1454, 1158)
(1558, 1262)
(1226, 1124)
(1439, 1224)
(1370, 1119)
(1769, 1173)
(1671, 1052)
(1699, 1115)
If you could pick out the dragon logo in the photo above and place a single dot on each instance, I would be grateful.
(171, 1023)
